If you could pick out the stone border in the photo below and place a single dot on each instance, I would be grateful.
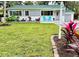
(54, 47)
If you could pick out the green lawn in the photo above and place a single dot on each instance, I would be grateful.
(26, 39)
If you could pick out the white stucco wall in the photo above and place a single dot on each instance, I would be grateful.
(34, 13)
(69, 16)
(37, 13)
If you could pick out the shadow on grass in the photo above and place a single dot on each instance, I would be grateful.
(5, 24)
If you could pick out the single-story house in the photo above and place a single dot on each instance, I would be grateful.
(46, 13)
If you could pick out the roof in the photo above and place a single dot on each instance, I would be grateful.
(39, 7)
(49, 7)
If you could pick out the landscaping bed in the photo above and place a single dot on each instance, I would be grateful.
(61, 49)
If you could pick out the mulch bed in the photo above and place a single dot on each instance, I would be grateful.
(61, 49)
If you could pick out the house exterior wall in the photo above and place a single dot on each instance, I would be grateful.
(67, 17)
(55, 15)
(34, 13)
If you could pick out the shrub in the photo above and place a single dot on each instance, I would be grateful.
(1, 10)
(12, 18)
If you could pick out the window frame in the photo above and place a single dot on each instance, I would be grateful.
(15, 13)
(25, 13)
(50, 13)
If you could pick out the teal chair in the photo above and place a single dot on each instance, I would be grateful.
(44, 19)
(49, 19)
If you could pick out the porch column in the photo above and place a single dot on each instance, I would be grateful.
(54, 15)
(23, 12)
(61, 16)
(60, 20)
(72, 17)
(8, 13)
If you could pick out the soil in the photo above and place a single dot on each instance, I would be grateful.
(61, 49)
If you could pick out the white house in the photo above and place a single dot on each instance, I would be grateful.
(46, 13)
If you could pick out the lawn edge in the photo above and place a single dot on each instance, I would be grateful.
(55, 51)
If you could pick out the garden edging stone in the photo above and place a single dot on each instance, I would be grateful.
(54, 47)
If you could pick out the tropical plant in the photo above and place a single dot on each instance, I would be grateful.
(71, 37)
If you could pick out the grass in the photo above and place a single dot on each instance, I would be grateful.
(26, 39)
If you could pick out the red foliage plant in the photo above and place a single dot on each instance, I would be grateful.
(71, 36)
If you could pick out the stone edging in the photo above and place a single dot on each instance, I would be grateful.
(54, 47)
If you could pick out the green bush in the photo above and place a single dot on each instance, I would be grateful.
(1, 10)
(12, 18)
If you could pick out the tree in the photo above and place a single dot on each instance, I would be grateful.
(12, 3)
(1, 8)
(73, 5)
(42, 2)
(28, 3)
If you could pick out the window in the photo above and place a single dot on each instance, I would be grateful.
(10, 12)
(46, 12)
(17, 13)
(26, 13)
(57, 13)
